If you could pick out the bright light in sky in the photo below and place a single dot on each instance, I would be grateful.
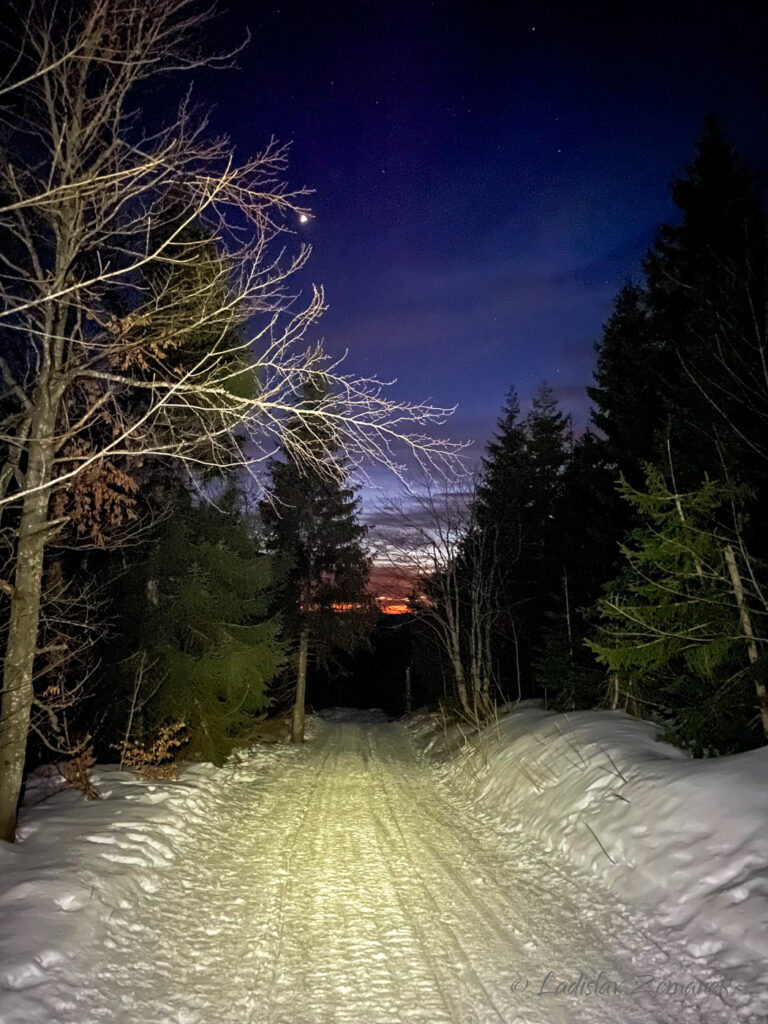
(303, 218)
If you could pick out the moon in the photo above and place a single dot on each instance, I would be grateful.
(303, 218)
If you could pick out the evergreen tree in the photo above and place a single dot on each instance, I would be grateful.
(680, 365)
(706, 287)
(313, 529)
(117, 499)
(680, 382)
(514, 509)
(584, 550)
(682, 626)
(502, 474)
(548, 446)
(627, 386)
(197, 609)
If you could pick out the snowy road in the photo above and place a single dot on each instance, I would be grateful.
(340, 882)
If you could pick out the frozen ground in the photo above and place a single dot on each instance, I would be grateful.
(344, 881)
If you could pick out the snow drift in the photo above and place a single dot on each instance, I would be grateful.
(687, 837)
(54, 891)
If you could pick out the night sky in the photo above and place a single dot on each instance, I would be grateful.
(487, 176)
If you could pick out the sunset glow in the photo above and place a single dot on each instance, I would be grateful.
(393, 609)
(390, 586)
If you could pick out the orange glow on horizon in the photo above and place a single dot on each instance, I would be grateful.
(392, 608)
(391, 587)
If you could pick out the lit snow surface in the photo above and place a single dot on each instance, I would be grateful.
(389, 872)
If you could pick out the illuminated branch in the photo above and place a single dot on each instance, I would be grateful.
(145, 307)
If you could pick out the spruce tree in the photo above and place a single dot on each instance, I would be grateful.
(584, 551)
(196, 609)
(682, 627)
(680, 366)
(680, 383)
(311, 516)
(706, 288)
(627, 385)
(515, 503)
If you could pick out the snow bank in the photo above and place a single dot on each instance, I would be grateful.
(689, 837)
(76, 861)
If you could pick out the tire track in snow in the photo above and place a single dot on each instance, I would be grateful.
(480, 917)
(552, 931)
(616, 920)
(506, 879)
(349, 876)
(342, 883)
(298, 822)
(392, 834)
(474, 916)
(437, 894)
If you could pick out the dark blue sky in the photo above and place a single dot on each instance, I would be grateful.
(487, 175)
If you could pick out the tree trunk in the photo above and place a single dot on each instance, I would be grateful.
(297, 724)
(568, 613)
(461, 685)
(18, 692)
(746, 625)
(614, 679)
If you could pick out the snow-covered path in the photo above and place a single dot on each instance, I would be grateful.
(341, 882)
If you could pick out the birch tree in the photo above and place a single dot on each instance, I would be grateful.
(107, 359)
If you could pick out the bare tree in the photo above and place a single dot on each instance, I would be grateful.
(430, 538)
(144, 308)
